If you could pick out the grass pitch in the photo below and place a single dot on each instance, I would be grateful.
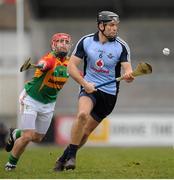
(94, 163)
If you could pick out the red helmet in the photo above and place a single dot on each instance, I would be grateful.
(54, 40)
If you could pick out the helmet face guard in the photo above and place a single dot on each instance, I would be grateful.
(55, 43)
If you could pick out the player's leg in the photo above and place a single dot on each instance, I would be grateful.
(84, 110)
(28, 126)
(35, 133)
(102, 108)
(13, 135)
(85, 106)
(88, 128)
(42, 124)
(90, 125)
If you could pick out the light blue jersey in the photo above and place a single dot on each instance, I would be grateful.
(102, 61)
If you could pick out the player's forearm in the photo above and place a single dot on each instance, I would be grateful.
(127, 68)
(74, 73)
(127, 76)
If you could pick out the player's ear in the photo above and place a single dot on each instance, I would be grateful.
(101, 26)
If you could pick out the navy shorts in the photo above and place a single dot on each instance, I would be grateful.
(103, 103)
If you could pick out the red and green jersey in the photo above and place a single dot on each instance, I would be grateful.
(47, 82)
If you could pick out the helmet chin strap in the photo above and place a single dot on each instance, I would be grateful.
(109, 38)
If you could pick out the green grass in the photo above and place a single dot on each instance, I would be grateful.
(94, 163)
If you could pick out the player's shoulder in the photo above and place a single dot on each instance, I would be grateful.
(46, 55)
(86, 37)
(121, 41)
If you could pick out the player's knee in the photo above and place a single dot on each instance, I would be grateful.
(82, 117)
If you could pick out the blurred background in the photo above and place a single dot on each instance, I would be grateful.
(144, 114)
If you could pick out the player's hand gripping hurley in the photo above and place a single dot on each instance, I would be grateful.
(141, 69)
(28, 65)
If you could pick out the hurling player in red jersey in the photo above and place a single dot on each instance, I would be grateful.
(38, 99)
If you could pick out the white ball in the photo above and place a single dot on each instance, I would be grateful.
(166, 51)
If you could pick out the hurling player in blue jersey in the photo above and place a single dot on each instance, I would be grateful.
(103, 54)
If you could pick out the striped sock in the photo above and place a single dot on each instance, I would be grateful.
(12, 160)
(17, 134)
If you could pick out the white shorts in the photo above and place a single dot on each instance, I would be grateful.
(34, 114)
